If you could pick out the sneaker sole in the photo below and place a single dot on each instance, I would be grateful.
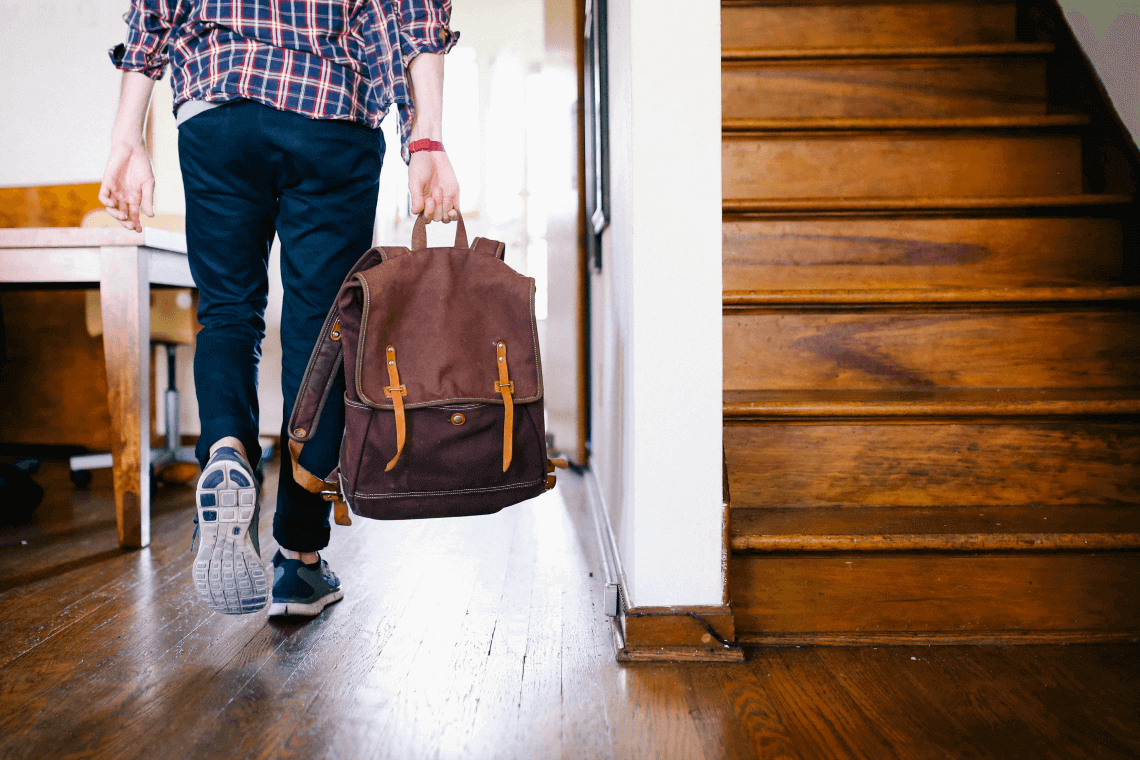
(228, 573)
(297, 608)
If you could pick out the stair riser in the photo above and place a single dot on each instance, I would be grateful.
(992, 86)
(876, 253)
(901, 164)
(928, 464)
(838, 25)
(881, 594)
(949, 349)
(1037, 527)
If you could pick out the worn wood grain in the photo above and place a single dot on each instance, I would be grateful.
(866, 86)
(760, 127)
(850, 24)
(751, 525)
(909, 205)
(125, 297)
(986, 593)
(148, 671)
(913, 404)
(956, 252)
(933, 464)
(1004, 299)
(1021, 348)
(862, 534)
(810, 165)
(1003, 49)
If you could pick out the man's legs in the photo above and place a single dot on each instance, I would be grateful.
(327, 210)
(230, 207)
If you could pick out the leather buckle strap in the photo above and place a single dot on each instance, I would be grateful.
(506, 388)
(396, 392)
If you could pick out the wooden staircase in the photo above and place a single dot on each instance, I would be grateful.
(931, 327)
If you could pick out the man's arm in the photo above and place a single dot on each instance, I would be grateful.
(431, 180)
(128, 182)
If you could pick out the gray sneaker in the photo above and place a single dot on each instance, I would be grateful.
(228, 572)
(300, 589)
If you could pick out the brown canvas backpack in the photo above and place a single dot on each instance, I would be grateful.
(443, 407)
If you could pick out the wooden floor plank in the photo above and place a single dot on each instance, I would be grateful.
(484, 638)
(818, 710)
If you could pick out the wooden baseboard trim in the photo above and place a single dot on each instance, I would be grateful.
(681, 654)
(684, 634)
(937, 638)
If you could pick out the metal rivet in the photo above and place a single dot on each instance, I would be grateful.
(299, 431)
(392, 363)
(458, 419)
(502, 345)
(500, 358)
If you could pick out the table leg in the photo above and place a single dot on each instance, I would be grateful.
(125, 295)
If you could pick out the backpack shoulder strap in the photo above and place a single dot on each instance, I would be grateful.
(489, 247)
(318, 380)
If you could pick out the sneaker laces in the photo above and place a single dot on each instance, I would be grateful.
(194, 538)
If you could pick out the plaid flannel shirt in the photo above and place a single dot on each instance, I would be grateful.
(324, 59)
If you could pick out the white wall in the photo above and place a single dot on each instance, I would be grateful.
(657, 303)
(59, 89)
(1109, 32)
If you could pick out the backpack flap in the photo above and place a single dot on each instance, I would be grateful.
(453, 325)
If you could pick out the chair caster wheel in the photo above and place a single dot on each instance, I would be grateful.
(81, 478)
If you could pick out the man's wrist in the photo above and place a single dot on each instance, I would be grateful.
(425, 145)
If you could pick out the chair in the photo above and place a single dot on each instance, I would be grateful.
(172, 323)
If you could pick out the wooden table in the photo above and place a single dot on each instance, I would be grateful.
(123, 265)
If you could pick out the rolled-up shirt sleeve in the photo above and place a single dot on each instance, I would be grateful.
(149, 23)
(424, 28)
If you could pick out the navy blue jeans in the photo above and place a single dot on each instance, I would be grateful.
(249, 172)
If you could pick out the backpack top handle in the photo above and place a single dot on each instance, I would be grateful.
(419, 233)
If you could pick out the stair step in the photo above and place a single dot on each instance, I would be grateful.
(901, 51)
(1063, 346)
(1085, 246)
(912, 204)
(969, 298)
(951, 597)
(901, 123)
(851, 164)
(947, 529)
(972, 403)
(917, 455)
(863, 24)
(947, 81)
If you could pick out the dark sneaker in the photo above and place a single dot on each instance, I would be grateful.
(300, 589)
(228, 572)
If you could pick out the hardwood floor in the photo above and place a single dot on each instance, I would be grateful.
(475, 638)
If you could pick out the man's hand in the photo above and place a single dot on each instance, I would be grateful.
(128, 184)
(435, 191)
(431, 180)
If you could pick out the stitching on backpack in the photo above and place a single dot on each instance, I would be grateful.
(360, 341)
(488, 489)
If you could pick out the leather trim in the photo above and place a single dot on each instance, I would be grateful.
(396, 392)
(419, 233)
(304, 478)
(506, 388)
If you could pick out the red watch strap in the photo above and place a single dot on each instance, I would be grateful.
(425, 144)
